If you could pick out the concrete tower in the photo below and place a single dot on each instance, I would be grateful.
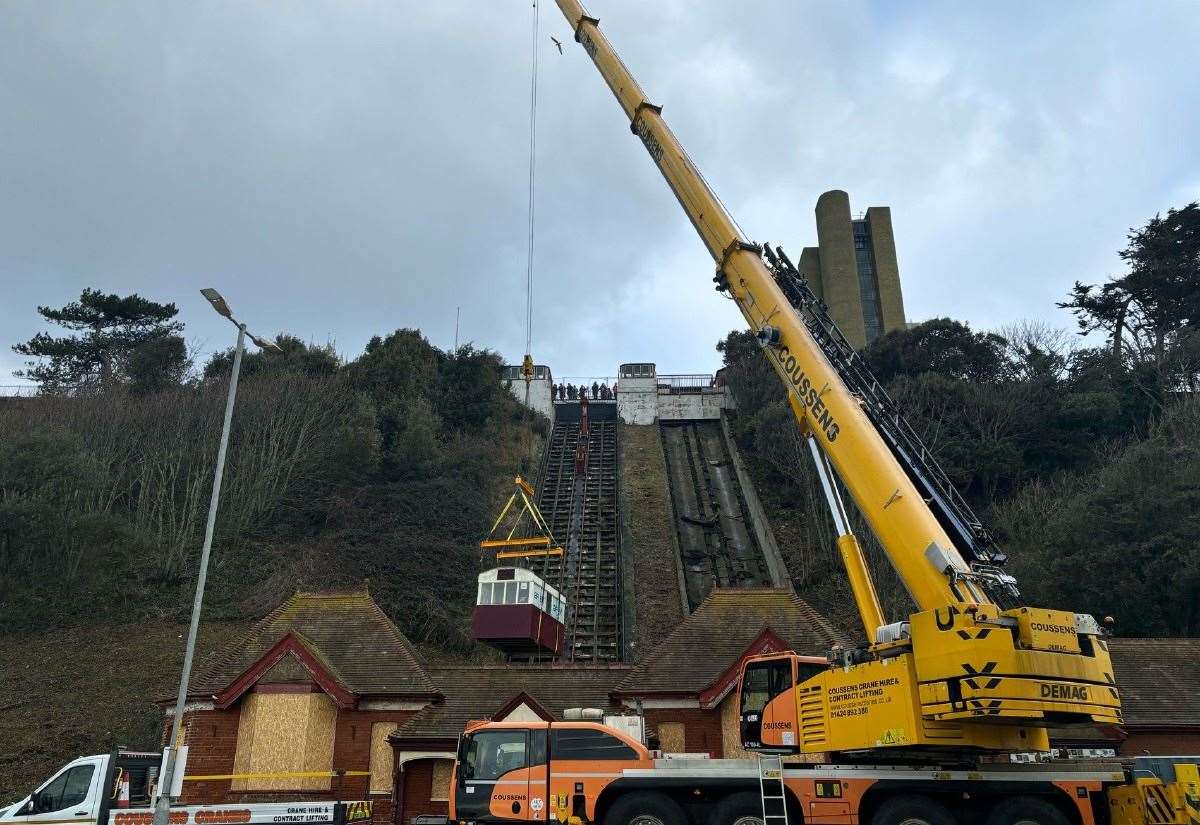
(853, 269)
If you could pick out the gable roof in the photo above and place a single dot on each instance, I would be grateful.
(292, 659)
(528, 701)
(1159, 680)
(702, 649)
(350, 637)
(481, 691)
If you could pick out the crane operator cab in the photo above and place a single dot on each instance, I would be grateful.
(766, 704)
(517, 612)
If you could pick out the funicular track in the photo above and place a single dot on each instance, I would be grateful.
(716, 540)
(589, 574)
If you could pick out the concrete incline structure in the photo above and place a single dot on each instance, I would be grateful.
(717, 536)
(648, 537)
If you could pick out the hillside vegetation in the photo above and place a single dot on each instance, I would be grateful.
(336, 474)
(387, 468)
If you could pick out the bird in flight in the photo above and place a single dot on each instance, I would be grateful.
(556, 43)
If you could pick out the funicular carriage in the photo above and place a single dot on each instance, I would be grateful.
(515, 610)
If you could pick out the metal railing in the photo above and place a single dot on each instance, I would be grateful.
(19, 390)
(687, 381)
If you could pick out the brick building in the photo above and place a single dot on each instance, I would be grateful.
(315, 687)
(326, 686)
(1160, 691)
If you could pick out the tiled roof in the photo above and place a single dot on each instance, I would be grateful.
(706, 643)
(348, 632)
(1159, 680)
(479, 691)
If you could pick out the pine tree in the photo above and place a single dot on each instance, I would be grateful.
(119, 340)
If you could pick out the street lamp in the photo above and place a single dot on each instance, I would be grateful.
(162, 806)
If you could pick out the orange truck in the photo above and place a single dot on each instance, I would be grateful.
(584, 773)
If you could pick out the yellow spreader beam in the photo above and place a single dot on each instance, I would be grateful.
(508, 544)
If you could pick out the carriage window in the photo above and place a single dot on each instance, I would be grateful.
(539, 596)
(523, 593)
(485, 593)
(510, 592)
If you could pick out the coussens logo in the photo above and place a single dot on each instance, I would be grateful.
(809, 395)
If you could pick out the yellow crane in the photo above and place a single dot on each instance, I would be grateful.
(972, 668)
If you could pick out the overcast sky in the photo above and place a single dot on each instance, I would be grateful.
(343, 168)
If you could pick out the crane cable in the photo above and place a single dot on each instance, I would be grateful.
(532, 188)
(527, 367)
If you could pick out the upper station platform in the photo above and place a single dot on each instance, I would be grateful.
(642, 395)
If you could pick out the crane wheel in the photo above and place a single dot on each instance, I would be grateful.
(745, 808)
(645, 808)
(1026, 810)
(913, 810)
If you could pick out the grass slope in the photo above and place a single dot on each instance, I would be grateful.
(76, 691)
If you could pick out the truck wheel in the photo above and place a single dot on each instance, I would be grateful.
(738, 809)
(645, 809)
(912, 810)
(1026, 810)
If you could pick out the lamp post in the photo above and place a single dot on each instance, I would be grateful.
(162, 806)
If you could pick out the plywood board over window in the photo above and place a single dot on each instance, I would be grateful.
(281, 735)
(731, 729)
(671, 737)
(382, 756)
(731, 736)
(439, 790)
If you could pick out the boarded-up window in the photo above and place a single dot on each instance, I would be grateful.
(381, 757)
(439, 790)
(281, 735)
(731, 729)
(671, 737)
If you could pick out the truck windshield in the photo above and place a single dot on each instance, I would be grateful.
(493, 753)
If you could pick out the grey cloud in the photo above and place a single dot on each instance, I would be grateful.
(342, 169)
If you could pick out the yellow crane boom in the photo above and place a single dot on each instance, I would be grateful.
(962, 671)
(884, 493)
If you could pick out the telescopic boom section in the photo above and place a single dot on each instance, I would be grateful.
(920, 550)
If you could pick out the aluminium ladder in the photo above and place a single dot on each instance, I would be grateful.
(770, 788)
